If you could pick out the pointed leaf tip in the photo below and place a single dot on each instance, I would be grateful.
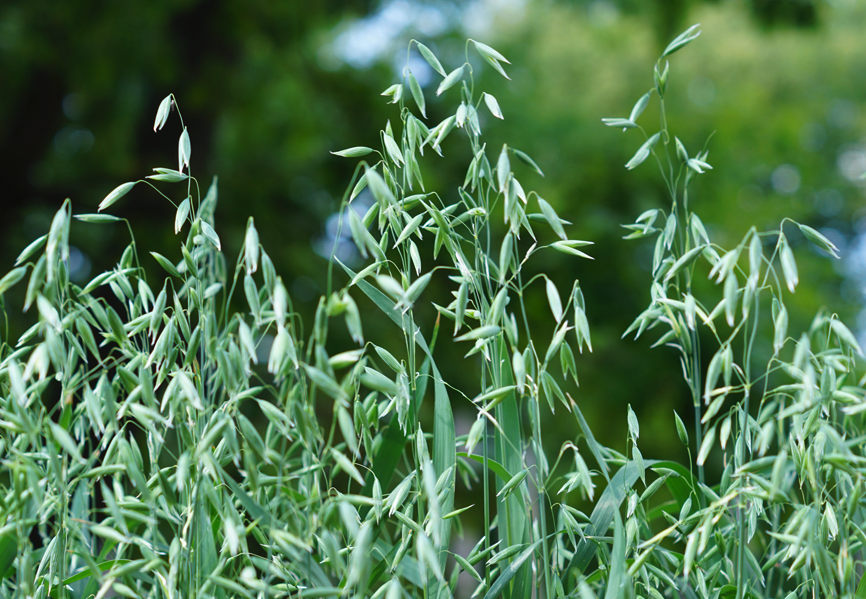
(493, 106)
(452, 78)
(162, 113)
(354, 152)
(682, 40)
(819, 239)
(431, 58)
(211, 235)
(417, 94)
(524, 157)
(184, 150)
(116, 194)
(487, 51)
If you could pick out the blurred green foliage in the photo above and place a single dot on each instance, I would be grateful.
(267, 94)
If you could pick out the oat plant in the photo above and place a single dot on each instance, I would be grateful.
(156, 442)
(783, 420)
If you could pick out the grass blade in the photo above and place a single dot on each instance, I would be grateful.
(594, 447)
(508, 440)
(603, 514)
(615, 583)
(508, 573)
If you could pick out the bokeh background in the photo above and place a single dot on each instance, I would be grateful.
(268, 87)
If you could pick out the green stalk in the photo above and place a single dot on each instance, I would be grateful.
(542, 507)
(693, 361)
(695, 357)
(741, 517)
(699, 438)
(485, 474)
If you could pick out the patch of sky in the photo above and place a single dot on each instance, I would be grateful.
(854, 269)
(382, 36)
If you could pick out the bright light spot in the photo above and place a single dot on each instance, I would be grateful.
(852, 163)
(785, 179)
(702, 91)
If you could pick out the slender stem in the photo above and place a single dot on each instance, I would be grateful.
(772, 549)
(743, 446)
(542, 503)
(485, 473)
(699, 440)
(741, 519)
(696, 370)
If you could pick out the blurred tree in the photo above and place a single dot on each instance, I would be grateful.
(799, 13)
(82, 80)
(669, 16)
